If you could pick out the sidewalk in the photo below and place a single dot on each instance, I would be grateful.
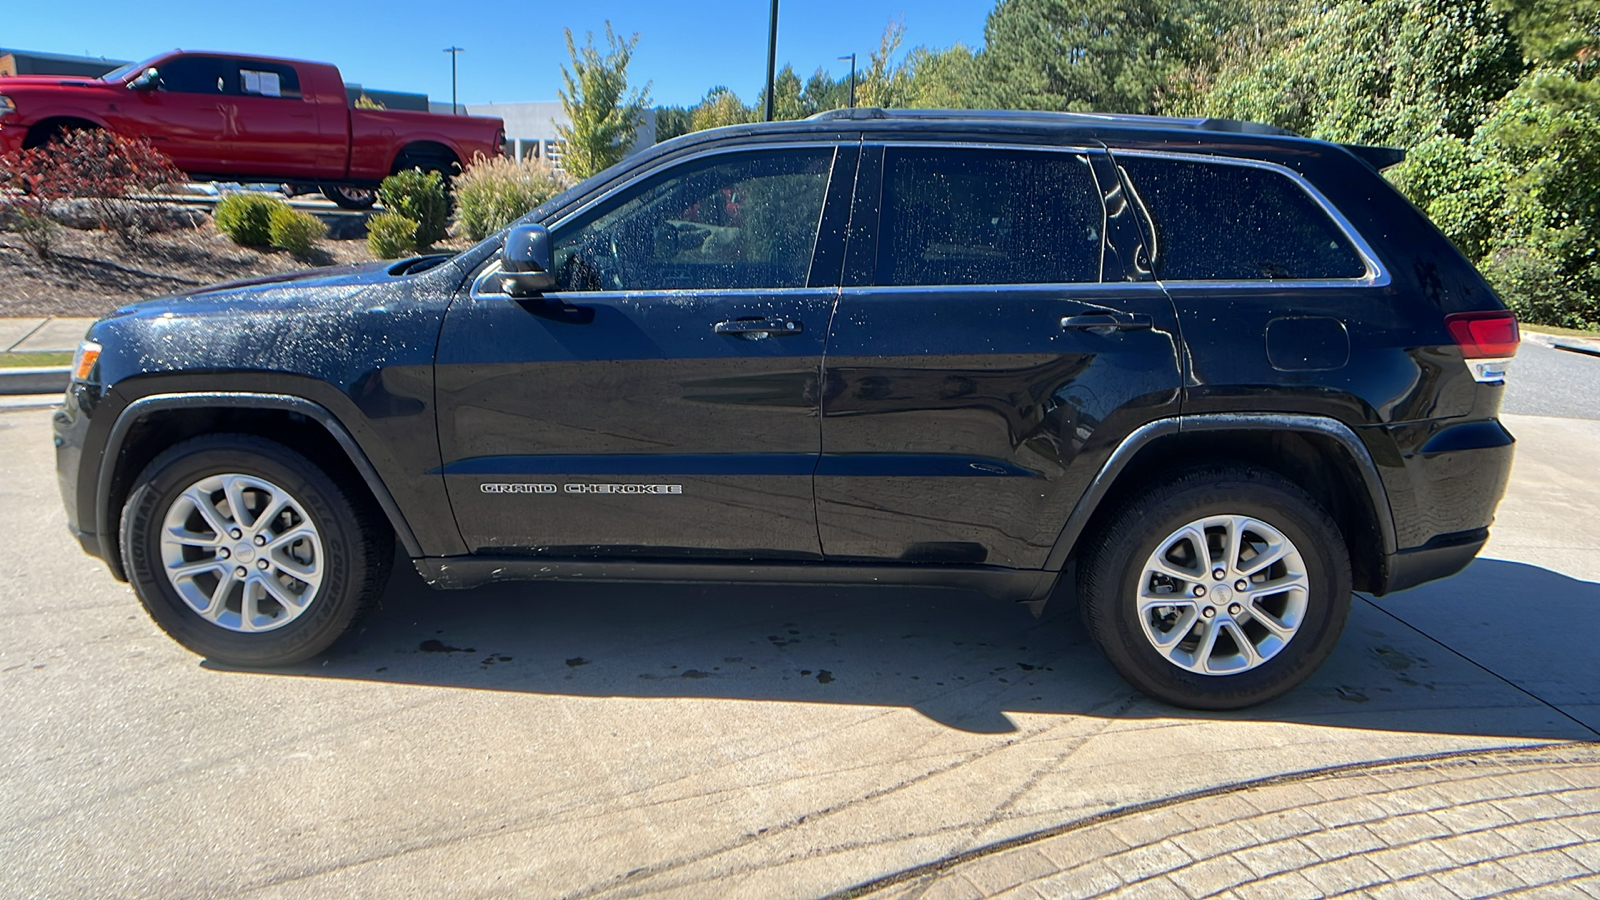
(1474, 824)
(42, 334)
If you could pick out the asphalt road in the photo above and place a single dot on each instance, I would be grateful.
(1546, 382)
(731, 741)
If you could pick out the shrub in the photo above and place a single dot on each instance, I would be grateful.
(295, 230)
(495, 191)
(391, 235)
(419, 196)
(247, 218)
(103, 171)
(1534, 286)
(36, 229)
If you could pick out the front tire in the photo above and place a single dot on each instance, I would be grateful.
(1220, 588)
(249, 554)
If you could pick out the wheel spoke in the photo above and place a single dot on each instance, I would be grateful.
(1277, 585)
(192, 539)
(1270, 622)
(1178, 632)
(1252, 658)
(189, 570)
(288, 537)
(309, 573)
(219, 596)
(1275, 551)
(233, 489)
(289, 599)
(202, 503)
(1208, 643)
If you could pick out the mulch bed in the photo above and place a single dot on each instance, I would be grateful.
(91, 273)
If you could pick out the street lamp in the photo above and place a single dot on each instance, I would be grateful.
(772, 55)
(453, 51)
(852, 58)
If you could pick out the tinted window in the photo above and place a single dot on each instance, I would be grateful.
(747, 220)
(1237, 223)
(961, 216)
(199, 75)
(264, 79)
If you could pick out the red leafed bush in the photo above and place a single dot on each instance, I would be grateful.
(104, 170)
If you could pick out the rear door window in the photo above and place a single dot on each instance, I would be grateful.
(1225, 222)
(982, 216)
(264, 79)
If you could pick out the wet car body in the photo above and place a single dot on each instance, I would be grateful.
(961, 434)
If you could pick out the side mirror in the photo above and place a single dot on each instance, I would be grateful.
(526, 265)
(148, 80)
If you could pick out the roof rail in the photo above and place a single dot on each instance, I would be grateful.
(1022, 115)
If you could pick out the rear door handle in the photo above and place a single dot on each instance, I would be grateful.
(759, 329)
(1107, 322)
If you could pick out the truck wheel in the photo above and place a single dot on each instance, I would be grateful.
(1222, 587)
(350, 197)
(247, 553)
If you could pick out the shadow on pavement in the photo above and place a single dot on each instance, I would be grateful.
(958, 658)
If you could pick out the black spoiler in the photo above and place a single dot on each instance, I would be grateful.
(1379, 158)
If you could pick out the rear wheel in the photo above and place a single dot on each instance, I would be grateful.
(346, 197)
(1223, 587)
(249, 554)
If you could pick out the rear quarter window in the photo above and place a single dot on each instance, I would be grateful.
(1224, 222)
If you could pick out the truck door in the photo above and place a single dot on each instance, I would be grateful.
(187, 116)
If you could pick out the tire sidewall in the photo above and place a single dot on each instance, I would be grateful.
(144, 515)
(1143, 526)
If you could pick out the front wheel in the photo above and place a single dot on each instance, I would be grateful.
(1221, 588)
(249, 554)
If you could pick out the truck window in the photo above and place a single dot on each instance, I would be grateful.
(198, 75)
(263, 79)
(970, 216)
(1220, 222)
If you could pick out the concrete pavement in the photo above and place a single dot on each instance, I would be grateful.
(743, 741)
(39, 334)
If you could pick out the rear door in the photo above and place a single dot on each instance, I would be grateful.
(663, 401)
(989, 350)
(272, 127)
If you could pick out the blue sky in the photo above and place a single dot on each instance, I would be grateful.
(512, 50)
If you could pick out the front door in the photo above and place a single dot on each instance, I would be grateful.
(187, 116)
(662, 402)
(989, 349)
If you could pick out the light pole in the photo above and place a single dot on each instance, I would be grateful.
(453, 51)
(852, 58)
(772, 55)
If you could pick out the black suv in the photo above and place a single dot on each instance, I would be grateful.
(1216, 374)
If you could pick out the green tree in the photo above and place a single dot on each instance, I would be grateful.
(604, 113)
(788, 96)
(720, 107)
(1392, 72)
(884, 82)
(672, 121)
(1082, 55)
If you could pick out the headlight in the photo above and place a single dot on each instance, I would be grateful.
(84, 361)
(6, 106)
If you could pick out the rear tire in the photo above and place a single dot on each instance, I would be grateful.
(346, 197)
(249, 554)
(1185, 635)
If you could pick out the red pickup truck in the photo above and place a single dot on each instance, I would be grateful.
(223, 117)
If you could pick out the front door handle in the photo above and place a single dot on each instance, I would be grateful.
(758, 329)
(1107, 322)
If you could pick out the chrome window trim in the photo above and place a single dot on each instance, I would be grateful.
(492, 268)
(1065, 288)
(1377, 275)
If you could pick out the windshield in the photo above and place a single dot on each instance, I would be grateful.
(122, 72)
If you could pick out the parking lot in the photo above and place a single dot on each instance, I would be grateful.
(738, 741)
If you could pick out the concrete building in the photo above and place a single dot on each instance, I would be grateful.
(29, 62)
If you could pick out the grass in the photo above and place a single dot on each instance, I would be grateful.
(33, 360)
(1558, 330)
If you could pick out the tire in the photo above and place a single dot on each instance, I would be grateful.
(346, 197)
(1167, 652)
(328, 550)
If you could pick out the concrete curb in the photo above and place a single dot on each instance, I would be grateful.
(1585, 349)
(41, 380)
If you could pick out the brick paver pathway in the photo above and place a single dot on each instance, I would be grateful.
(1515, 823)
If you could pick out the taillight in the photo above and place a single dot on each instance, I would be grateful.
(1487, 340)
